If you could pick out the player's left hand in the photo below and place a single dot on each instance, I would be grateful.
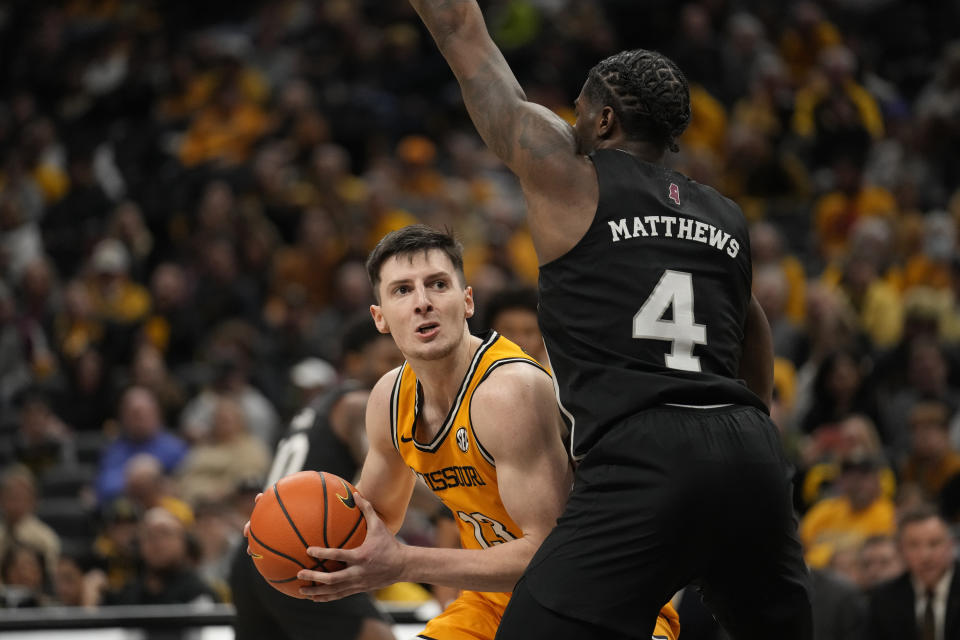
(375, 564)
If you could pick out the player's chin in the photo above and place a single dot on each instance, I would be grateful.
(434, 350)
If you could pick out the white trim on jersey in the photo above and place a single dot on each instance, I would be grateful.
(395, 407)
(451, 416)
(563, 409)
(698, 406)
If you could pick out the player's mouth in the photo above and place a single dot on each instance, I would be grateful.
(428, 329)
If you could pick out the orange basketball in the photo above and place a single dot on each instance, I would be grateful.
(305, 509)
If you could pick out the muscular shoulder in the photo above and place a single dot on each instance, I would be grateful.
(516, 404)
(384, 387)
(378, 404)
(513, 381)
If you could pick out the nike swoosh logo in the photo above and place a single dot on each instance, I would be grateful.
(405, 439)
(348, 502)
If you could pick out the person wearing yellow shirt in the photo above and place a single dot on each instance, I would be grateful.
(858, 512)
(476, 419)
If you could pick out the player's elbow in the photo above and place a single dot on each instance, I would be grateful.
(453, 25)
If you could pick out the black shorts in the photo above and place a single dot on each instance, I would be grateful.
(669, 497)
(264, 612)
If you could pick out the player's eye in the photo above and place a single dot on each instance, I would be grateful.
(401, 290)
(440, 284)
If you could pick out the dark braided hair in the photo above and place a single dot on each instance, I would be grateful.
(647, 91)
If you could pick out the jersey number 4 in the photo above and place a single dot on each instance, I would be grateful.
(675, 290)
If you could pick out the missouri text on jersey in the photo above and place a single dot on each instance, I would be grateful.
(674, 227)
(452, 477)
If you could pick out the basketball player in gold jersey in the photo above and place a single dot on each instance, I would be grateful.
(476, 419)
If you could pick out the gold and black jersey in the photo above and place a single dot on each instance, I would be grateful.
(454, 463)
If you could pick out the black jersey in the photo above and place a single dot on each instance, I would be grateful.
(649, 307)
(310, 442)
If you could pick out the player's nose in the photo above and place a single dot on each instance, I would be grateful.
(423, 300)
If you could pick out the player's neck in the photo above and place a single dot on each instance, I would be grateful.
(441, 378)
(641, 149)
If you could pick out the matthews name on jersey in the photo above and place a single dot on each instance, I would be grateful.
(649, 307)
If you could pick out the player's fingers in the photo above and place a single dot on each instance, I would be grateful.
(367, 508)
(332, 597)
(257, 499)
(246, 530)
(322, 578)
(324, 553)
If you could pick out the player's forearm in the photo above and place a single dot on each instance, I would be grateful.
(490, 91)
(494, 569)
(445, 18)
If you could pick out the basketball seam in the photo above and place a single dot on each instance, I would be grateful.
(323, 483)
(356, 525)
(276, 492)
(272, 550)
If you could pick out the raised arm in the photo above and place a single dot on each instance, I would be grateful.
(516, 418)
(535, 143)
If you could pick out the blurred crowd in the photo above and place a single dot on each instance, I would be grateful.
(188, 192)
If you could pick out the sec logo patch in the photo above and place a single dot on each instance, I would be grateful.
(462, 440)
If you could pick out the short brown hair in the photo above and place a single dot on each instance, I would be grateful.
(410, 240)
(920, 513)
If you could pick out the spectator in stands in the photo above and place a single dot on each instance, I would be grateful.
(115, 545)
(18, 521)
(168, 575)
(215, 465)
(834, 112)
(836, 212)
(513, 313)
(927, 378)
(217, 541)
(148, 485)
(149, 370)
(76, 583)
(173, 326)
(857, 512)
(932, 462)
(42, 441)
(127, 225)
(805, 37)
(141, 431)
(119, 302)
(839, 390)
(878, 561)
(88, 399)
(923, 602)
(230, 365)
(23, 578)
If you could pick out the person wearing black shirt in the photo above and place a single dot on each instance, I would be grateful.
(662, 357)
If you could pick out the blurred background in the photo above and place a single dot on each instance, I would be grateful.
(188, 191)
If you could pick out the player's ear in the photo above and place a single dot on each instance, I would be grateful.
(378, 319)
(605, 123)
(468, 299)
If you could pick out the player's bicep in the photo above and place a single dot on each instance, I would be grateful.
(520, 426)
(385, 480)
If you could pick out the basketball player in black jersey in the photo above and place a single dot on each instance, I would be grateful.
(662, 357)
(329, 435)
